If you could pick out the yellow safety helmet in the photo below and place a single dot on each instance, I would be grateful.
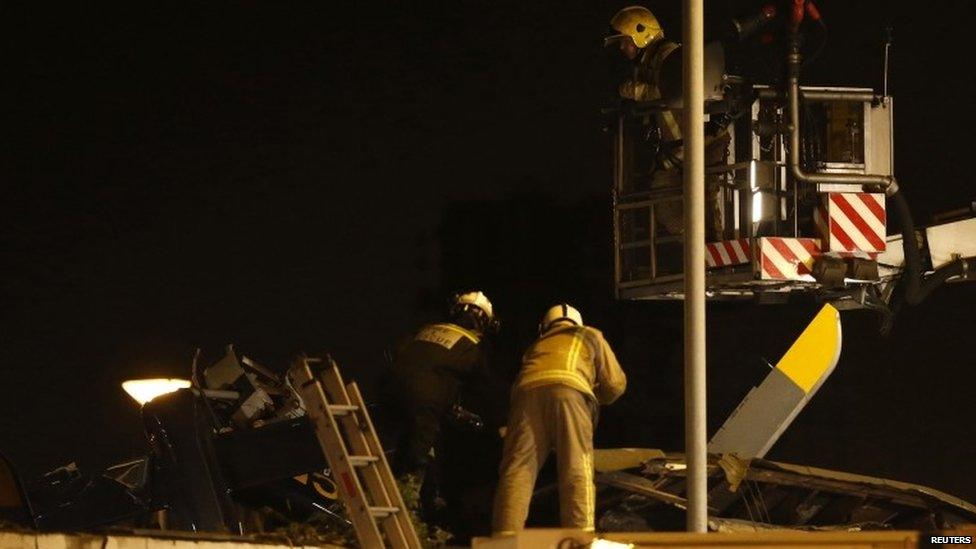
(638, 23)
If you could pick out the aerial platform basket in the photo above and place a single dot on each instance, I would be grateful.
(765, 231)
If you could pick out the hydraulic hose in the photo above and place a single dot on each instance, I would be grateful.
(916, 289)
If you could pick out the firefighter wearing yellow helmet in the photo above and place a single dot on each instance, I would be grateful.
(566, 374)
(638, 24)
(639, 35)
(656, 77)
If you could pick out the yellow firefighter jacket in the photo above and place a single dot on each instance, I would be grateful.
(648, 84)
(577, 356)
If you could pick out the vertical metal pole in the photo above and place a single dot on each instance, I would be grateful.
(618, 189)
(694, 230)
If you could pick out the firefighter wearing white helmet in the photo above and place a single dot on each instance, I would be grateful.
(430, 367)
(566, 374)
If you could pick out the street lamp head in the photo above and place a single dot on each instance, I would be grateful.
(144, 390)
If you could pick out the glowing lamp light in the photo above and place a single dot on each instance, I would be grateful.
(764, 206)
(144, 390)
(606, 544)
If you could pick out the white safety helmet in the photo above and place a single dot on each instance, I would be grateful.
(477, 303)
(473, 299)
(560, 313)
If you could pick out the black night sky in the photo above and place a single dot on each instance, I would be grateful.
(289, 177)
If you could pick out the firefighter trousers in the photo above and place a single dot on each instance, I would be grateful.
(544, 418)
(423, 400)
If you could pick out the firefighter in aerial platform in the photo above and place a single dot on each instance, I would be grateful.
(429, 370)
(566, 374)
(656, 78)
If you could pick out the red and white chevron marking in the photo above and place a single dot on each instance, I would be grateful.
(727, 252)
(855, 222)
(787, 258)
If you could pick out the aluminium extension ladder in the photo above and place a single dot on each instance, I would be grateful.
(359, 467)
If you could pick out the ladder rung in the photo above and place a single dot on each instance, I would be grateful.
(342, 409)
(383, 512)
(359, 461)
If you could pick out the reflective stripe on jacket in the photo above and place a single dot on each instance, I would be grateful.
(443, 347)
(445, 334)
(577, 356)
